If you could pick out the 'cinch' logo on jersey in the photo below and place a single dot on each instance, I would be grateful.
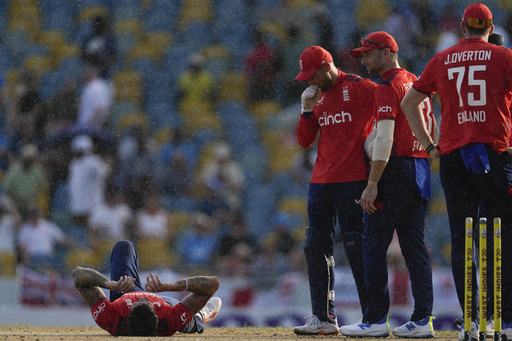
(385, 108)
(98, 310)
(340, 117)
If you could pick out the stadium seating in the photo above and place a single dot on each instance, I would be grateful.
(264, 109)
(233, 87)
(155, 39)
(128, 86)
(154, 253)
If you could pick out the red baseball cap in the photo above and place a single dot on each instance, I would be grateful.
(376, 40)
(312, 59)
(477, 15)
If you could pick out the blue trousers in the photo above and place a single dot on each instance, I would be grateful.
(403, 210)
(465, 192)
(328, 203)
(124, 261)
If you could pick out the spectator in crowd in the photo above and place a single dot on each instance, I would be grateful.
(7, 101)
(261, 67)
(96, 99)
(325, 35)
(27, 117)
(195, 84)
(38, 240)
(228, 172)
(136, 162)
(99, 48)
(179, 142)
(87, 178)
(197, 245)
(449, 33)
(62, 108)
(236, 247)
(268, 264)
(9, 229)
(212, 202)
(153, 221)
(154, 232)
(175, 177)
(404, 26)
(347, 63)
(284, 240)
(294, 46)
(110, 220)
(25, 181)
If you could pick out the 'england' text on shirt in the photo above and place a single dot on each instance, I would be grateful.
(471, 116)
(467, 56)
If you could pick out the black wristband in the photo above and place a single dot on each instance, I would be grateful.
(307, 114)
(430, 147)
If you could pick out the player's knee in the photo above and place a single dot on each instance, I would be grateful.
(313, 242)
(124, 245)
(353, 242)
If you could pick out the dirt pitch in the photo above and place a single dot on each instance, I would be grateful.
(35, 333)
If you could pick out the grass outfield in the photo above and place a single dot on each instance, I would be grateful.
(33, 333)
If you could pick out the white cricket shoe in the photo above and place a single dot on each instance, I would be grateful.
(418, 329)
(210, 310)
(379, 329)
(314, 326)
(489, 327)
(506, 331)
(474, 331)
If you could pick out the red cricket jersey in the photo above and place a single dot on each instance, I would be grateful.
(474, 82)
(112, 316)
(388, 95)
(344, 117)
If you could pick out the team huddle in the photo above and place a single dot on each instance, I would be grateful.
(473, 80)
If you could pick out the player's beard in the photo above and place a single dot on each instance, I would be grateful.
(326, 85)
(376, 65)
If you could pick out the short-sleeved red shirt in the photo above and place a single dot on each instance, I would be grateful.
(112, 316)
(344, 117)
(474, 83)
(388, 95)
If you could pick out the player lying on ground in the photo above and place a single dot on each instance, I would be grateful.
(135, 311)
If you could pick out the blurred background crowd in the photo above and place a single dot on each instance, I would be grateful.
(172, 123)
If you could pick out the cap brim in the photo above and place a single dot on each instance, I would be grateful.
(304, 76)
(356, 53)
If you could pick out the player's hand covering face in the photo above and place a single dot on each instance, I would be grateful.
(322, 78)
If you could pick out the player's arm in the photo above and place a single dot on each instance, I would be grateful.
(411, 106)
(89, 281)
(381, 152)
(201, 289)
(308, 127)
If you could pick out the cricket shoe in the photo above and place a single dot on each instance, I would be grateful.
(314, 326)
(506, 331)
(210, 310)
(379, 329)
(489, 327)
(419, 329)
(474, 331)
